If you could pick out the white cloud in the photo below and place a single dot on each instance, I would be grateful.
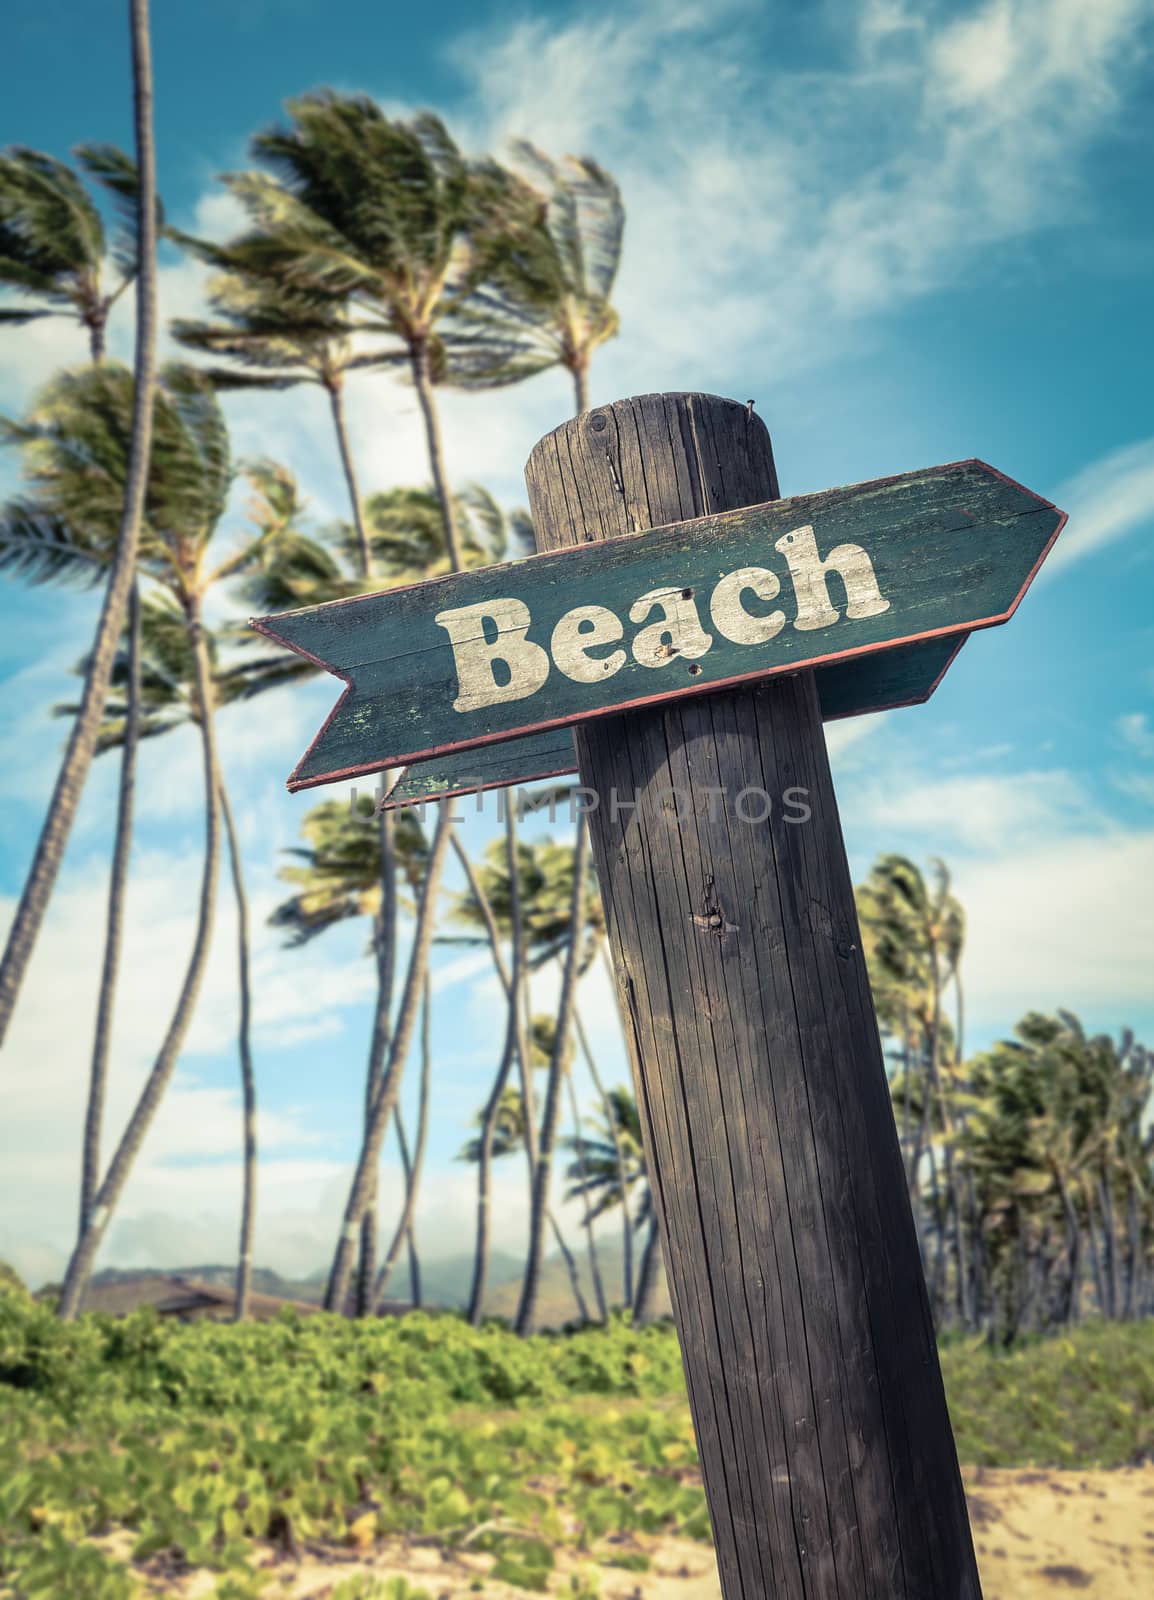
(1107, 500)
(845, 735)
(775, 213)
(1060, 923)
(1137, 733)
(43, 1087)
(982, 813)
(1049, 882)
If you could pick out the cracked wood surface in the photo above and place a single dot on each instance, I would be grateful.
(805, 1329)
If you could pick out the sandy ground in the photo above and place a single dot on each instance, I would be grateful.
(1088, 1534)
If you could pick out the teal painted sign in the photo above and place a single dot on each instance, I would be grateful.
(874, 586)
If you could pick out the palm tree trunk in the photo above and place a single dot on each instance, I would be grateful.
(1095, 1257)
(1134, 1250)
(83, 1257)
(489, 1116)
(337, 403)
(114, 927)
(244, 1051)
(422, 381)
(644, 1305)
(587, 1222)
(485, 1173)
(517, 992)
(81, 745)
(1072, 1308)
(907, 1085)
(934, 1104)
(581, 387)
(415, 1294)
(413, 1166)
(385, 947)
(97, 326)
(360, 1191)
(526, 1311)
(1110, 1240)
(960, 1013)
(619, 1158)
(570, 1267)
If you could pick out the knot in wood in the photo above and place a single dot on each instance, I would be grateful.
(713, 920)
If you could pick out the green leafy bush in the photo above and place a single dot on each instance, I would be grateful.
(209, 1442)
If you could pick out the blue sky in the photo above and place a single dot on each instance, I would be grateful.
(912, 234)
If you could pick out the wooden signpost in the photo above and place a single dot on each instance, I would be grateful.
(789, 1241)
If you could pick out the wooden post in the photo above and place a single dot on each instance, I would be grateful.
(789, 1242)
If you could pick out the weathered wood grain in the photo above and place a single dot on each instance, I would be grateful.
(792, 1259)
(949, 549)
(905, 676)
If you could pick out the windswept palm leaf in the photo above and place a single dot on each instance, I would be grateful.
(546, 298)
(53, 240)
(339, 875)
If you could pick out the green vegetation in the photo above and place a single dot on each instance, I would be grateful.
(212, 1442)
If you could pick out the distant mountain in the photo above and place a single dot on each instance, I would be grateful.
(445, 1281)
(264, 1280)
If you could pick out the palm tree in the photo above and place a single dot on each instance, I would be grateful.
(546, 302)
(405, 534)
(279, 339)
(545, 1028)
(611, 1167)
(362, 1189)
(53, 238)
(77, 452)
(509, 1131)
(619, 1153)
(411, 1166)
(274, 510)
(50, 529)
(914, 929)
(532, 907)
(527, 1310)
(1053, 1132)
(386, 214)
(493, 1117)
(340, 874)
(153, 692)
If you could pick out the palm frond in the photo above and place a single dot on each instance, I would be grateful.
(39, 547)
(116, 172)
(51, 234)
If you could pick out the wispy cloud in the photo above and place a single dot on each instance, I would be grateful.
(761, 208)
(1106, 501)
(1137, 734)
(982, 812)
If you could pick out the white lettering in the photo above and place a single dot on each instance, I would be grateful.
(730, 617)
(577, 633)
(808, 571)
(474, 655)
(679, 634)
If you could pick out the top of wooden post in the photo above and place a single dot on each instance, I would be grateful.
(644, 462)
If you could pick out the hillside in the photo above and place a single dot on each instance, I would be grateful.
(445, 1283)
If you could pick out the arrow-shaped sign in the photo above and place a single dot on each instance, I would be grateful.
(906, 565)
